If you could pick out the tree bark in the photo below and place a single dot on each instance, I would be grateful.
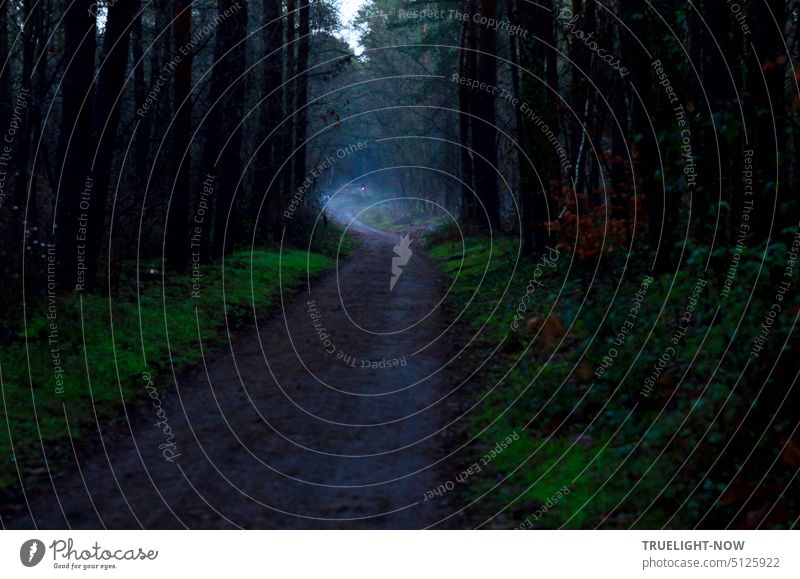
(29, 41)
(76, 129)
(5, 64)
(271, 110)
(141, 144)
(539, 60)
(484, 133)
(766, 71)
(304, 32)
(177, 233)
(467, 59)
(288, 132)
(525, 198)
(114, 61)
(231, 35)
(650, 187)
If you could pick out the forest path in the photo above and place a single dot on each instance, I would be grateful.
(288, 428)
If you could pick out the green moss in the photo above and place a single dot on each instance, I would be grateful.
(117, 340)
(635, 446)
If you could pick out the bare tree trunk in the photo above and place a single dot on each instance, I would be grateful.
(467, 67)
(537, 59)
(230, 36)
(32, 17)
(289, 105)
(5, 64)
(271, 110)
(76, 130)
(766, 74)
(525, 197)
(484, 133)
(177, 234)
(114, 61)
(646, 146)
(304, 32)
(141, 145)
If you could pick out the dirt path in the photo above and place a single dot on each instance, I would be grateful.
(280, 433)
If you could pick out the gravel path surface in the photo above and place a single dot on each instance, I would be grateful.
(328, 416)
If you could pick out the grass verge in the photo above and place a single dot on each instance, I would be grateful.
(633, 444)
(60, 372)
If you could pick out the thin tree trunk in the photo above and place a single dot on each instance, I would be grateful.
(484, 133)
(271, 109)
(178, 242)
(5, 64)
(304, 32)
(525, 198)
(31, 17)
(467, 70)
(289, 107)
(141, 146)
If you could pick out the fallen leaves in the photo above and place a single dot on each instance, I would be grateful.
(549, 329)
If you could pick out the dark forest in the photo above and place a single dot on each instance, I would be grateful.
(444, 264)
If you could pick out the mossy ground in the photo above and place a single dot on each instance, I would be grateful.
(104, 344)
(627, 459)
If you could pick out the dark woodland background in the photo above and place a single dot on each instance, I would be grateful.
(124, 121)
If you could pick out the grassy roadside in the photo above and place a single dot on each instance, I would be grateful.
(593, 449)
(95, 359)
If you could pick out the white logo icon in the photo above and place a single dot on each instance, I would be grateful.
(31, 552)
(403, 253)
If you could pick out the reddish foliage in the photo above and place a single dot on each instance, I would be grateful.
(596, 226)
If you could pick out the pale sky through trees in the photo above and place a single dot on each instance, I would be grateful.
(347, 10)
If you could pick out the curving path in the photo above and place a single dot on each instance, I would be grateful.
(277, 432)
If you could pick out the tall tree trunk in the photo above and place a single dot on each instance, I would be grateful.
(581, 93)
(539, 60)
(211, 151)
(114, 61)
(766, 71)
(231, 34)
(467, 66)
(288, 133)
(712, 151)
(178, 242)
(32, 120)
(5, 64)
(301, 101)
(141, 144)
(159, 54)
(485, 133)
(76, 130)
(650, 186)
(525, 197)
(554, 183)
(271, 110)
(32, 16)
